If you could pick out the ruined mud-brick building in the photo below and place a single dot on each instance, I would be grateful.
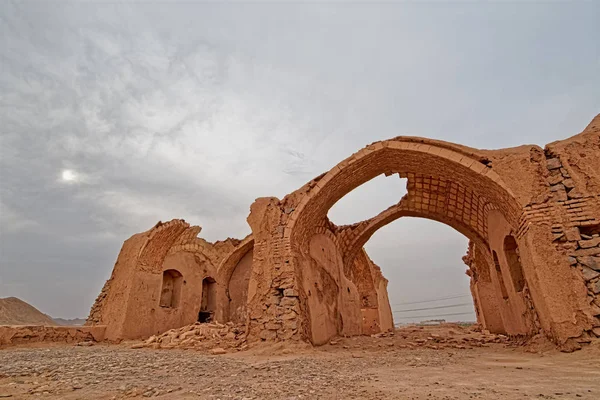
(532, 216)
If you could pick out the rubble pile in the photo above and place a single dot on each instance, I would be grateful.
(454, 338)
(213, 336)
(445, 336)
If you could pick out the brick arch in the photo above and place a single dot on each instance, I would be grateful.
(447, 183)
(448, 198)
(427, 163)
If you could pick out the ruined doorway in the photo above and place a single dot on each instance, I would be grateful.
(209, 300)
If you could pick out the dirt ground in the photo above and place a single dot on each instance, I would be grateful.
(414, 363)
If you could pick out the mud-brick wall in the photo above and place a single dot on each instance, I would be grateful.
(576, 229)
(273, 299)
(574, 180)
(571, 209)
(586, 258)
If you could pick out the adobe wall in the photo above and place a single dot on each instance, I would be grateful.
(558, 189)
(145, 317)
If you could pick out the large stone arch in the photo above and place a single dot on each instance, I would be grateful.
(448, 183)
(430, 161)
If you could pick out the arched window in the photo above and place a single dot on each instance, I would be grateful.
(500, 278)
(511, 252)
(171, 288)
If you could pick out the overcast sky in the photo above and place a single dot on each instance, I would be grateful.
(114, 116)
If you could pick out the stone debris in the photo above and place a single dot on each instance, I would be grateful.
(585, 256)
(213, 336)
(358, 367)
(451, 336)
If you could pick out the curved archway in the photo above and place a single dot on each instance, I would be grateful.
(432, 167)
(411, 206)
(446, 183)
(422, 260)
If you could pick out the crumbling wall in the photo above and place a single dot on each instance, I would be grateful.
(558, 188)
(130, 302)
(110, 305)
(577, 235)
(274, 295)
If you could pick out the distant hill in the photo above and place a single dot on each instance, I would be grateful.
(15, 311)
(69, 322)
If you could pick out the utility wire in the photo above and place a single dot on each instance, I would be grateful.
(432, 300)
(435, 308)
(440, 315)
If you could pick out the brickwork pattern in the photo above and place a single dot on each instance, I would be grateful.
(575, 224)
(455, 170)
(428, 197)
(574, 220)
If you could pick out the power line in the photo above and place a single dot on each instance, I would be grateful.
(439, 315)
(435, 308)
(432, 300)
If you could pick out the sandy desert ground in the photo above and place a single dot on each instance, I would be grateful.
(414, 363)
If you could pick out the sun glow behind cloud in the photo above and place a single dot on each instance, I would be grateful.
(69, 176)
